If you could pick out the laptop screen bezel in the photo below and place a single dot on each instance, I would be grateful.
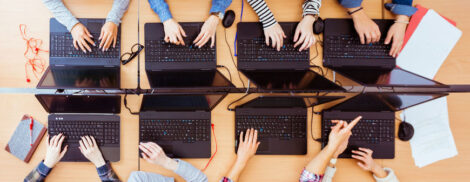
(48, 71)
(202, 94)
(39, 97)
(231, 86)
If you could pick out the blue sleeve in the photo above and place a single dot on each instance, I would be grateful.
(350, 3)
(38, 174)
(161, 8)
(220, 6)
(106, 173)
(401, 7)
(189, 172)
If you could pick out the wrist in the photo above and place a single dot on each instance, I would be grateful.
(99, 163)
(403, 18)
(379, 171)
(48, 163)
(167, 21)
(170, 164)
(331, 149)
(358, 13)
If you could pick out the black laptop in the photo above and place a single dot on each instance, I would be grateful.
(281, 122)
(342, 47)
(179, 123)
(82, 115)
(160, 55)
(389, 78)
(63, 53)
(254, 54)
(376, 130)
(80, 77)
(189, 79)
(291, 80)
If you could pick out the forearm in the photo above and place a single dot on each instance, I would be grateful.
(320, 161)
(265, 15)
(61, 13)
(106, 173)
(220, 5)
(236, 170)
(188, 172)
(311, 7)
(117, 11)
(161, 8)
(38, 174)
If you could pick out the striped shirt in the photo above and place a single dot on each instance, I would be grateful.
(266, 17)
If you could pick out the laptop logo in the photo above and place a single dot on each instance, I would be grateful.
(59, 118)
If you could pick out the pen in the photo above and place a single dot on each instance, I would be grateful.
(31, 131)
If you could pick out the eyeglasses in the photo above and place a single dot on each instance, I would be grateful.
(135, 50)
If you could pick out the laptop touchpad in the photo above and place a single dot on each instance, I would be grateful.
(263, 146)
(168, 150)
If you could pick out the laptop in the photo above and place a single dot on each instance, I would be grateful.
(396, 77)
(342, 47)
(63, 53)
(254, 54)
(281, 122)
(376, 130)
(291, 80)
(80, 77)
(179, 123)
(82, 115)
(189, 79)
(160, 55)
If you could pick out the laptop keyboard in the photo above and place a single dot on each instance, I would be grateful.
(256, 50)
(160, 51)
(282, 127)
(61, 45)
(187, 130)
(349, 46)
(104, 132)
(367, 130)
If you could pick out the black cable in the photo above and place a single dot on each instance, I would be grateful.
(311, 123)
(125, 105)
(231, 56)
(229, 74)
(247, 92)
(383, 12)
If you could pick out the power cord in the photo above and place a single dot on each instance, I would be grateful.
(311, 123)
(242, 97)
(231, 56)
(125, 104)
(229, 74)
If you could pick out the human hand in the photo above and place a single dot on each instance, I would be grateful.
(247, 147)
(342, 146)
(396, 33)
(174, 33)
(367, 29)
(305, 31)
(108, 35)
(207, 32)
(53, 153)
(366, 162)
(276, 34)
(341, 132)
(81, 36)
(154, 154)
(90, 150)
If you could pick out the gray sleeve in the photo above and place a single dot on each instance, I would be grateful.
(117, 11)
(61, 13)
(311, 7)
(189, 172)
(391, 177)
(329, 173)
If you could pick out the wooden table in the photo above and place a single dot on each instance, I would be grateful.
(260, 168)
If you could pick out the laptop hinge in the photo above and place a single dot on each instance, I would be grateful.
(206, 69)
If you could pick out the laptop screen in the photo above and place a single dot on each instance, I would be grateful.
(375, 102)
(80, 103)
(177, 79)
(395, 77)
(80, 77)
(288, 101)
(290, 80)
(190, 102)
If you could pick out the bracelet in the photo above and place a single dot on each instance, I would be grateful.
(405, 22)
(352, 12)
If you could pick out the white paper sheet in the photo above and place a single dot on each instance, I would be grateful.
(432, 140)
(429, 45)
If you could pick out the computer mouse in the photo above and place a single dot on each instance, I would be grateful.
(318, 26)
(229, 18)
(405, 131)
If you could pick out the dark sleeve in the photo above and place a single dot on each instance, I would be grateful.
(38, 174)
(106, 173)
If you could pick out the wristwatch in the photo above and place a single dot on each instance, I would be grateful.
(218, 14)
(333, 161)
